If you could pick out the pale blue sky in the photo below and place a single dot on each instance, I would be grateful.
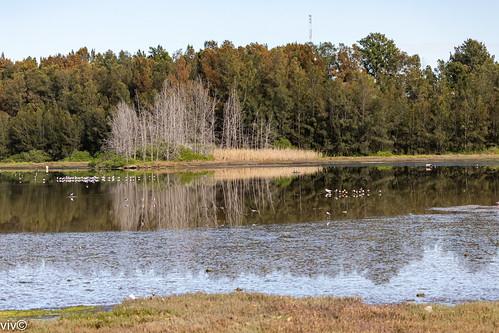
(429, 28)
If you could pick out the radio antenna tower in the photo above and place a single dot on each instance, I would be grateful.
(310, 28)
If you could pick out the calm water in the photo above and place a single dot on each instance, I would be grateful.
(385, 234)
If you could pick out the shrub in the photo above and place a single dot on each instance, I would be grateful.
(283, 143)
(79, 156)
(152, 152)
(383, 153)
(109, 160)
(34, 156)
(187, 154)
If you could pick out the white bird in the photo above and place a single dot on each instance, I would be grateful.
(328, 191)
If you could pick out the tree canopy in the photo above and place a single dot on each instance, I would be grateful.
(337, 99)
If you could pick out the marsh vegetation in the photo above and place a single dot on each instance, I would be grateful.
(242, 312)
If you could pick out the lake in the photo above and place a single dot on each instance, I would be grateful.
(384, 233)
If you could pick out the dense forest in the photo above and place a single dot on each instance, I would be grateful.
(341, 100)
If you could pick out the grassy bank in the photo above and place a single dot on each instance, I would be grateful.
(243, 158)
(45, 313)
(57, 165)
(242, 312)
(264, 157)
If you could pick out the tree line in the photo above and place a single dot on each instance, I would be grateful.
(341, 100)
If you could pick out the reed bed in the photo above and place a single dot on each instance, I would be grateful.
(264, 155)
(242, 312)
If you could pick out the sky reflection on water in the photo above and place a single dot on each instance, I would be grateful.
(433, 233)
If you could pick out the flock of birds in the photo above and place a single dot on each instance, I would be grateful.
(338, 194)
(100, 179)
(343, 194)
(90, 179)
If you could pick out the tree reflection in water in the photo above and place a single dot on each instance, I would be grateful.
(236, 197)
(266, 228)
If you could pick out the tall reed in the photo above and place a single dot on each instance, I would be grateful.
(267, 154)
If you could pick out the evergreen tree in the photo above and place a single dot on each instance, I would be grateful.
(338, 99)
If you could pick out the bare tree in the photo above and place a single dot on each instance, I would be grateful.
(232, 135)
(235, 135)
(182, 116)
(261, 133)
(123, 131)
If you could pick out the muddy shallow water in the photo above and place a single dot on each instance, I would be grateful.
(386, 234)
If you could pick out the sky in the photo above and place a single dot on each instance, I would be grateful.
(429, 28)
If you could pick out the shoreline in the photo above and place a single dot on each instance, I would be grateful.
(353, 161)
(253, 312)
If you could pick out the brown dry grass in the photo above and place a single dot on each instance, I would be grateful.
(243, 312)
(263, 155)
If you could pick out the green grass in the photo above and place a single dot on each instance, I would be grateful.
(488, 151)
(43, 313)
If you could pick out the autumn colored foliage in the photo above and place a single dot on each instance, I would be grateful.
(336, 99)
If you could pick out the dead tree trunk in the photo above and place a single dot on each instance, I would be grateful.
(232, 135)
